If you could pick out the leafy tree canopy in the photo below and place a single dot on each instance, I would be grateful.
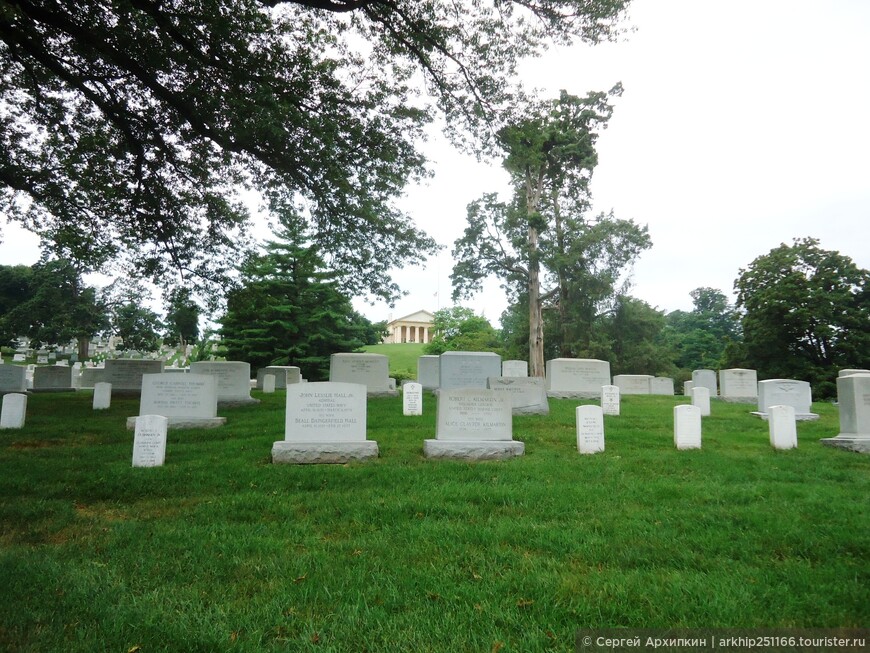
(459, 329)
(704, 337)
(130, 130)
(287, 310)
(50, 304)
(806, 314)
(182, 318)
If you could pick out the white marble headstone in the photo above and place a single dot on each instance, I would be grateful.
(515, 368)
(467, 369)
(783, 427)
(853, 398)
(268, 383)
(687, 388)
(786, 392)
(13, 411)
(13, 378)
(610, 399)
(473, 414)
(590, 429)
(633, 384)
(102, 395)
(233, 380)
(149, 440)
(428, 371)
(528, 395)
(188, 400)
(577, 377)
(738, 385)
(412, 399)
(687, 427)
(707, 379)
(370, 370)
(325, 412)
(701, 399)
(662, 385)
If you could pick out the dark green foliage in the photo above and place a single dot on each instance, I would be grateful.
(182, 318)
(50, 304)
(633, 335)
(288, 311)
(128, 130)
(806, 314)
(459, 329)
(701, 338)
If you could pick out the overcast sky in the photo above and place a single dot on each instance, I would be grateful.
(744, 124)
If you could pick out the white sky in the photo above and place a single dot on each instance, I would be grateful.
(744, 124)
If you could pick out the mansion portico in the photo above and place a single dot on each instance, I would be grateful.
(416, 327)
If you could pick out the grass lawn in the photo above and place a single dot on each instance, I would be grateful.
(403, 357)
(219, 550)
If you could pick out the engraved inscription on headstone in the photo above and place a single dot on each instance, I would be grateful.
(473, 414)
(412, 399)
(590, 429)
(325, 412)
(610, 399)
(149, 441)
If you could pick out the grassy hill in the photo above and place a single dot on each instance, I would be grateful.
(219, 550)
(403, 357)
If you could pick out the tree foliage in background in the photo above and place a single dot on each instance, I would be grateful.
(630, 338)
(287, 310)
(138, 326)
(129, 130)
(806, 314)
(182, 318)
(459, 329)
(706, 336)
(542, 244)
(50, 304)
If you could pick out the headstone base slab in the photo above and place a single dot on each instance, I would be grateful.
(799, 417)
(473, 449)
(236, 403)
(531, 410)
(186, 423)
(849, 442)
(738, 400)
(563, 394)
(314, 453)
(382, 393)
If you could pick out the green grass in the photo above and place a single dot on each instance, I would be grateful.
(403, 357)
(220, 550)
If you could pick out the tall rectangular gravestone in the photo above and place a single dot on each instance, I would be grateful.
(701, 399)
(785, 392)
(53, 378)
(853, 399)
(467, 369)
(581, 378)
(13, 378)
(285, 375)
(325, 423)
(412, 399)
(590, 429)
(783, 428)
(633, 384)
(149, 440)
(13, 411)
(706, 379)
(126, 374)
(428, 372)
(473, 424)
(687, 427)
(610, 399)
(370, 370)
(268, 384)
(528, 394)
(233, 381)
(188, 400)
(515, 368)
(102, 396)
(662, 385)
(738, 385)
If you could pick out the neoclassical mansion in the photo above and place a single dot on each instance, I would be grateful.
(416, 327)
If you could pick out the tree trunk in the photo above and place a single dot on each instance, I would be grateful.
(536, 318)
(84, 343)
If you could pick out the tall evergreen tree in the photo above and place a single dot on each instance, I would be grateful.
(289, 310)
